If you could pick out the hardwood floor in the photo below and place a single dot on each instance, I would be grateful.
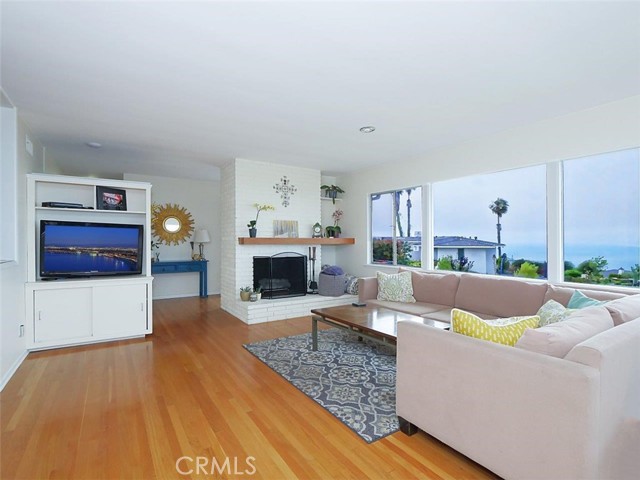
(132, 409)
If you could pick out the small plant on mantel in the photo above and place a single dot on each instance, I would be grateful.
(331, 191)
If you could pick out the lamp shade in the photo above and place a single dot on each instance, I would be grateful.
(202, 236)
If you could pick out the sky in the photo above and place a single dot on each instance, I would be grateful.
(94, 236)
(601, 215)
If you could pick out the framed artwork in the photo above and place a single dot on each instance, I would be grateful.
(108, 198)
(285, 228)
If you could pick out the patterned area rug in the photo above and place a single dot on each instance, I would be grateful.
(354, 380)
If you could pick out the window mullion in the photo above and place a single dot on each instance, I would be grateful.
(555, 253)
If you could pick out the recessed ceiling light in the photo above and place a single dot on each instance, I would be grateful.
(93, 144)
(368, 129)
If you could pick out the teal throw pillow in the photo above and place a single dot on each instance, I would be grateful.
(580, 300)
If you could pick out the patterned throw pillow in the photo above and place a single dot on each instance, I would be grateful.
(553, 312)
(395, 287)
(580, 300)
(352, 285)
(506, 331)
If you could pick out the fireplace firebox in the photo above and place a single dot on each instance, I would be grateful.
(281, 275)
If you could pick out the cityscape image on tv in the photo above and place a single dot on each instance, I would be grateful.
(90, 249)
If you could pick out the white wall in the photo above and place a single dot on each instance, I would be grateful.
(610, 127)
(202, 200)
(14, 275)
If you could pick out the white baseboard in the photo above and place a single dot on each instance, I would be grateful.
(183, 295)
(7, 376)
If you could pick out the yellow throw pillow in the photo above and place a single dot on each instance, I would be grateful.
(506, 331)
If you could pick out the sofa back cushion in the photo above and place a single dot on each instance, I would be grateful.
(557, 339)
(563, 294)
(501, 297)
(624, 309)
(434, 287)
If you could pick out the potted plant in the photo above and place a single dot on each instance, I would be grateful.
(256, 294)
(245, 293)
(252, 223)
(331, 191)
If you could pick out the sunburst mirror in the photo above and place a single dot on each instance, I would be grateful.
(171, 223)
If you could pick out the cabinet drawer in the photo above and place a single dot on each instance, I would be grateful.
(164, 269)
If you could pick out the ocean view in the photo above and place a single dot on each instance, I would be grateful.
(617, 256)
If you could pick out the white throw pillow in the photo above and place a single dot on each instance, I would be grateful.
(395, 287)
(553, 312)
(557, 339)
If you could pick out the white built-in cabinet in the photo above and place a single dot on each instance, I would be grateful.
(69, 312)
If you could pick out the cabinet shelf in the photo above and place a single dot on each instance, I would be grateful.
(92, 210)
(295, 241)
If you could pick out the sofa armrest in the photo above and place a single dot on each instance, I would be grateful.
(518, 413)
(367, 288)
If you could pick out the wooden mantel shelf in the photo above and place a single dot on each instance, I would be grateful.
(295, 241)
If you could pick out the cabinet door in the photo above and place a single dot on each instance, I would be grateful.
(119, 310)
(62, 314)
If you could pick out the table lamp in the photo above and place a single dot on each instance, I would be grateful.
(201, 237)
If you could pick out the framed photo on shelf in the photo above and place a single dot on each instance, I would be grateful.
(108, 198)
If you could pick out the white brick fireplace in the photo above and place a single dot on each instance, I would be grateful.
(244, 183)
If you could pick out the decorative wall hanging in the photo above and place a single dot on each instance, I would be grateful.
(171, 223)
(285, 189)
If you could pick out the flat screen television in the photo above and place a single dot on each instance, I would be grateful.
(82, 249)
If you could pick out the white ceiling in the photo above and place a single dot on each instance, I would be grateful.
(178, 88)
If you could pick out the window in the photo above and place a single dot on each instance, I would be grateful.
(602, 218)
(396, 227)
(492, 224)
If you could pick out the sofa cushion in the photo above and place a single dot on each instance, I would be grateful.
(563, 294)
(434, 287)
(501, 297)
(557, 339)
(580, 300)
(624, 309)
(444, 315)
(506, 331)
(395, 287)
(552, 312)
(418, 308)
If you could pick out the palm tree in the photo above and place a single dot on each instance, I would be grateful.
(409, 205)
(499, 207)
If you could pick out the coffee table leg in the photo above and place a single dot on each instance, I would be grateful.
(314, 334)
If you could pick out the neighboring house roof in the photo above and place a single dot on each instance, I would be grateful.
(463, 242)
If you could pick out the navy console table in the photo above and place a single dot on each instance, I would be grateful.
(182, 266)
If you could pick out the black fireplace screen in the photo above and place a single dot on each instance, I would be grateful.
(281, 275)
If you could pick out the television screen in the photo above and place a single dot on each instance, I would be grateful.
(76, 249)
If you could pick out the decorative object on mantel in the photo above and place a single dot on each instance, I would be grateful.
(285, 228)
(285, 189)
(331, 191)
(335, 230)
(317, 231)
(171, 223)
(245, 293)
(201, 237)
(252, 223)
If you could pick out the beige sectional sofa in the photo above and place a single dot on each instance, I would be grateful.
(520, 414)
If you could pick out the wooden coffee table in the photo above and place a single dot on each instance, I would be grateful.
(375, 323)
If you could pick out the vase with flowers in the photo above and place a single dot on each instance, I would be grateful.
(252, 223)
(335, 230)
